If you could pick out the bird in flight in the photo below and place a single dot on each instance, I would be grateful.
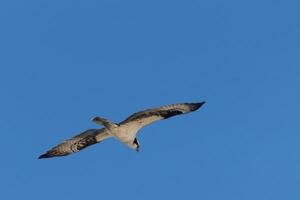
(125, 131)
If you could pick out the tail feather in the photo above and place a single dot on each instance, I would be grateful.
(106, 123)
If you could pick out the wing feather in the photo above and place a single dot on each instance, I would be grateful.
(148, 116)
(77, 143)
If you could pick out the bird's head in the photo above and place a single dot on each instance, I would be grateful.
(136, 145)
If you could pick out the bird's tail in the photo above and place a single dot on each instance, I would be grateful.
(106, 123)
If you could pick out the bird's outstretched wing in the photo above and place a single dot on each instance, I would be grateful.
(75, 144)
(140, 119)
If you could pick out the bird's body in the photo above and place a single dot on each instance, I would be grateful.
(125, 131)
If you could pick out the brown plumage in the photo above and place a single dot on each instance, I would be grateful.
(77, 143)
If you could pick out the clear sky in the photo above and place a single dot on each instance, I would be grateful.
(64, 62)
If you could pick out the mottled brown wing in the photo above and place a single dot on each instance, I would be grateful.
(75, 144)
(140, 119)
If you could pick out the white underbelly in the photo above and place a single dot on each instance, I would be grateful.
(124, 135)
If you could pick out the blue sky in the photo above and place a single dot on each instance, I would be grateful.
(64, 62)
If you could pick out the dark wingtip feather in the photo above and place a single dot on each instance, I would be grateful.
(52, 153)
(44, 156)
(196, 106)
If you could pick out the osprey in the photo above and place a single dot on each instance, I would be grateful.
(125, 131)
